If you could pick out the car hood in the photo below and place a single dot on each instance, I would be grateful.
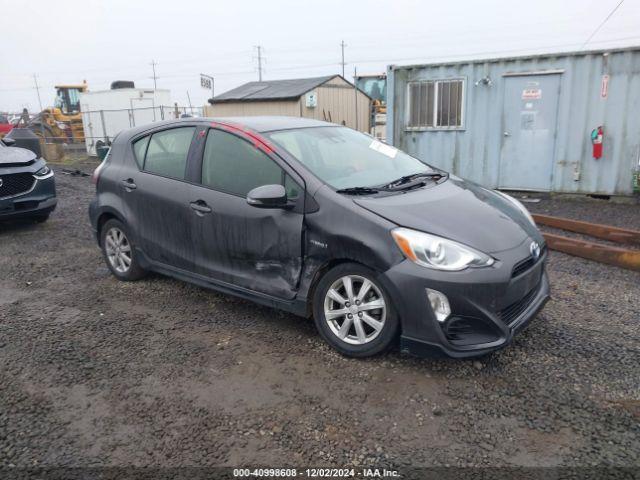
(458, 210)
(15, 156)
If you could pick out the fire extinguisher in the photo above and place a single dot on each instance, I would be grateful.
(596, 141)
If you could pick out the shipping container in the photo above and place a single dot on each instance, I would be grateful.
(524, 123)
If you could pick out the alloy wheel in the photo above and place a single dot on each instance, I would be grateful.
(118, 250)
(354, 309)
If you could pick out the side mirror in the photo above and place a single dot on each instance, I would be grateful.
(268, 196)
(9, 142)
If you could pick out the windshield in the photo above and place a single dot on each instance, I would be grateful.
(345, 158)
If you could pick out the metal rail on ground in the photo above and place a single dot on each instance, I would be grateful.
(605, 232)
(620, 257)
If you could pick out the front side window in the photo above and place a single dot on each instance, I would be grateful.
(435, 104)
(345, 158)
(167, 152)
(233, 165)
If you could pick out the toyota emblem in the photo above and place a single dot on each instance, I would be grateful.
(1, 182)
(534, 248)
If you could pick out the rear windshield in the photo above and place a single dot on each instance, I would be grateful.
(345, 158)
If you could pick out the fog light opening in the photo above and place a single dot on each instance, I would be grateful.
(439, 304)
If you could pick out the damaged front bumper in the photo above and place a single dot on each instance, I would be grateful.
(489, 306)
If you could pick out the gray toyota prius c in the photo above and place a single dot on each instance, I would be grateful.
(320, 220)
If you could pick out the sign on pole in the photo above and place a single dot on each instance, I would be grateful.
(206, 81)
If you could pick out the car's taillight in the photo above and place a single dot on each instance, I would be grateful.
(96, 173)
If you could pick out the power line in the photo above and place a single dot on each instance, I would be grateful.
(452, 56)
(602, 24)
(469, 55)
(124, 68)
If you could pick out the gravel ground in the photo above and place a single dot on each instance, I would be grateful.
(607, 212)
(96, 372)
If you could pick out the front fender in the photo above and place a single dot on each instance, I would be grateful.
(341, 231)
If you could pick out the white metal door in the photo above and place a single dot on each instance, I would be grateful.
(529, 131)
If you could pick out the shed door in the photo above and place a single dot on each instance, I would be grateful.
(528, 131)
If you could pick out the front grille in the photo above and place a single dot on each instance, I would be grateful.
(524, 265)
(15, 183)
(513, 311)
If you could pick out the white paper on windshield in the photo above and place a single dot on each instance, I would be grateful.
(384, 149)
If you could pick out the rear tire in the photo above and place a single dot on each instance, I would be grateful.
(353, 312)
(119, 252)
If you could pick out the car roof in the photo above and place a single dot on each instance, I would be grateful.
(270, 123)
(259, 124)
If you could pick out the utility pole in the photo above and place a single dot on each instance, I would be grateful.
(259, 48)
(342, 45)
(189, 99)
(35, 80)
(43, 115)
(153, 66)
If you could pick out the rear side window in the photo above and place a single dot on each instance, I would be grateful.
(167, 152)
(233, 165)
(139, 149)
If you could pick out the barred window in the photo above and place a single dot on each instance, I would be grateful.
(435, 104)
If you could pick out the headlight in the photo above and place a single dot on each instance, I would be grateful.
(437, 252)
(518, 205)
(44, 172)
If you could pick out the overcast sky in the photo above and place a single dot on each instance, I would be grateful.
(100, 41)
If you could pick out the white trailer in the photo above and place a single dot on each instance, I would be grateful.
(105, 113)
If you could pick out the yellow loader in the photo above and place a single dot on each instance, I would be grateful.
(61, 123)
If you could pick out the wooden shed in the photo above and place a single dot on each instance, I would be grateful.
(331, 98)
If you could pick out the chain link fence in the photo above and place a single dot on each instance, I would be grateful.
(67, 138)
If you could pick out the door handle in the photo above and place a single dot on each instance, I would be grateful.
(200, 207)
(506, 134)
(129, 184)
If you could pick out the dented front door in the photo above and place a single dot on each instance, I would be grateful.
(253, 248)
(245, 246)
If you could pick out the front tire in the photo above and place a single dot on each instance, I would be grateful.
(119, 252)
(353, 312)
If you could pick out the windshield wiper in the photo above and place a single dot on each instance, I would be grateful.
(409, 178)
(358, 190)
